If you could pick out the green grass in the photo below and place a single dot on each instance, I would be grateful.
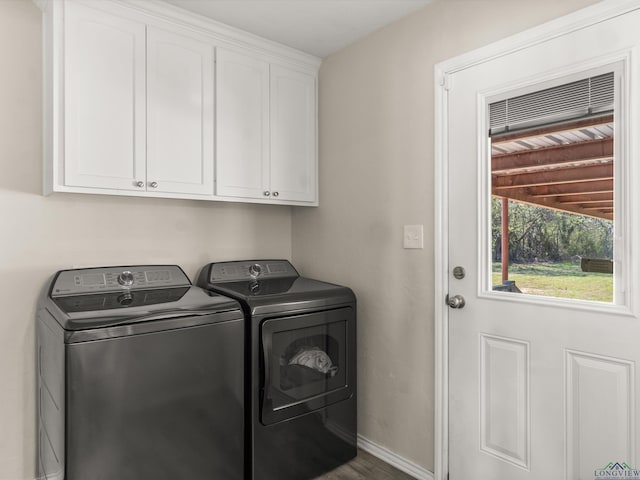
(564, 280)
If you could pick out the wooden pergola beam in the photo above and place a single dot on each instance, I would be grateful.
(594, 150)
(600, 209)
(595, 187)
(604, 203)
(504, 252)
(519, 196)
(582, 198)
(578, 174)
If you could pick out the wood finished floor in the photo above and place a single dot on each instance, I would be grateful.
(366, 466)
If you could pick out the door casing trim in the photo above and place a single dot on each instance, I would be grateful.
(578, 20)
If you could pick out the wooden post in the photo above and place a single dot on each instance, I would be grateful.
(505, 239)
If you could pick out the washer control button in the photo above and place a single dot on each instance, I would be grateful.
(255, 270)
(126, 278)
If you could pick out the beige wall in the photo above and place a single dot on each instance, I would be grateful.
(39, 235)
(376, 175)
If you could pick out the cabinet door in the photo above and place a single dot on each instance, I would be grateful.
(242, 122)
(104, 100)
(180, 133)
(293, 135)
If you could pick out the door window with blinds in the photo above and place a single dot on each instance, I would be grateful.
(554, 212)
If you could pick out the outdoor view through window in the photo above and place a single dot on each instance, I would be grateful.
(552, 187)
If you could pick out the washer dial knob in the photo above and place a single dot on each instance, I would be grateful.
(255, 270)
(126, 278)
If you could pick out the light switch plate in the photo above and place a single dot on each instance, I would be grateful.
(413, 236)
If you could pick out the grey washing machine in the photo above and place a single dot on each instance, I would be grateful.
(140, 377)
(301, 395)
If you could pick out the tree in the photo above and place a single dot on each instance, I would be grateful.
(542, 234)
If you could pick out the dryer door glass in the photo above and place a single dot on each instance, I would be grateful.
(306, 362)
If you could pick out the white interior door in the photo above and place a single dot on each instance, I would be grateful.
(538, 387)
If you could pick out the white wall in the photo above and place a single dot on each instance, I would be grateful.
(39, 235)
(376, 174)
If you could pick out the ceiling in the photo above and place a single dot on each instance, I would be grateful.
(318, 27)
(567, 167)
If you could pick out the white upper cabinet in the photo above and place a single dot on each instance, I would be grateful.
(266, 124)
(104, 100)
(242, 115)
(293, 134)
(180, 128)
(144, 99)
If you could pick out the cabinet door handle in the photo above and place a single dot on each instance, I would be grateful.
(267, 193)
(153, 184)
(140, 184)
(275, 194)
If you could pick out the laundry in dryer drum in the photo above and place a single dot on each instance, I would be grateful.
(314, 358)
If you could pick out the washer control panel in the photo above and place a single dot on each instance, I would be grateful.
(113, 279)
(251, 270)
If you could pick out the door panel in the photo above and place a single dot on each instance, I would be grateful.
(598, 427)
(539, 387)
(504, 399)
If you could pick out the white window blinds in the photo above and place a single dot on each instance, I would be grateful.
(564, 102)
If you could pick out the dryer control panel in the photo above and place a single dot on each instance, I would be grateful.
(251, 270)
(114, 279)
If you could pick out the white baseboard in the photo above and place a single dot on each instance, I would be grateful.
(394, 459)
